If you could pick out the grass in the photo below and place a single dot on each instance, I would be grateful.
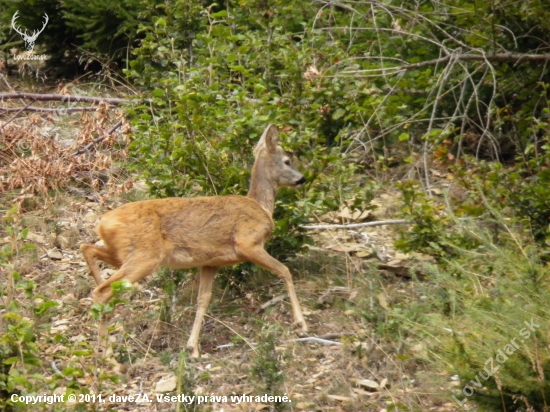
(150, 330)
(411, 334)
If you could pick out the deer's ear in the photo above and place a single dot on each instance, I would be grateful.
(269, 138)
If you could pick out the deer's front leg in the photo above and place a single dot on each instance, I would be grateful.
(259, 256)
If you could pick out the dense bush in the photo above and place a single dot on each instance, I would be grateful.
(483, 312)
(79, 35)
(357, 87)
(211, 101)
(482, 315)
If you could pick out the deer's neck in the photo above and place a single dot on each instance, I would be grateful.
(262, 189)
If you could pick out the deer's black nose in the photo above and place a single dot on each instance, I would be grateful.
(301, 181)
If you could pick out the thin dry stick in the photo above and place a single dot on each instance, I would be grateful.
(62, 97)
(315, 340)
(16, 114)
(273, 301)
(502, 58)
(5, 81)
(356, 225)
(368, 224)
(99, 139)
(29, 108)
(324, 340)
(441, 83)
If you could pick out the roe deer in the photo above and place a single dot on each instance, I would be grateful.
(205, 232)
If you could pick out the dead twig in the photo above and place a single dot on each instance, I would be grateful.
(62, 97)
(356, 225)
(19, 110)
(332, 336)
(29, 108)
(467, 57)
(324, 340)
(315, 340)
(99, 139)
(376, 223)
(273, 301)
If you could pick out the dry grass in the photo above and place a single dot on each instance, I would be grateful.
(39, 152)
(341, 295)
(61, 196)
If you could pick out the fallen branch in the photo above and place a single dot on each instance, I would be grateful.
(377, 223)
(62, 97)
(99, 139)
(324, 340)
(56, 369)
(19, 110)
(356, 225)
(497, 57)
(230, 345)
(331, 336)
(273, 301)
(333, 290)
(48, 110)
(315, 340)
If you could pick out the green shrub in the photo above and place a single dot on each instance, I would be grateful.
(521, 190)
(485, 301)
(267, 369)
(79, 33)
(210, 102)
(18, 350)
(25, 330)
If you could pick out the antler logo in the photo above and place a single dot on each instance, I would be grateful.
(29, 38)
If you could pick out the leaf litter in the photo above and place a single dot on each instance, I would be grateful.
(364, 373)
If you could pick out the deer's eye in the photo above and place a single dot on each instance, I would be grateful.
(287, 162)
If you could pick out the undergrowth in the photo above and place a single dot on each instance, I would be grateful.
(480, 313)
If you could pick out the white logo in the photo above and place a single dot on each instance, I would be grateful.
(29, 39)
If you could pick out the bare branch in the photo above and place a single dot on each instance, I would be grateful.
(62, 97)
(356, 225)
(47, 109)
(99, 139)
(18, 110)
(315, 340)
(273, 301)
(499, 57)
(323, 339)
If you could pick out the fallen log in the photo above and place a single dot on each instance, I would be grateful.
(63, 98)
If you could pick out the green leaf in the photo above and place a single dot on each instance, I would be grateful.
(160, 22)
(338, 113)
(82, 352)
(222, 13)
(45, 306)
(24, 233)
(158, 93)
(238, 68)
(232, 57)
(11, 361)
(121, 286)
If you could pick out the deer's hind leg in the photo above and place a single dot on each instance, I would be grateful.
(92, 254)
(132, 270)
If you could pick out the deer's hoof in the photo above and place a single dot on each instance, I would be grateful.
(193, 352)
(302, 326)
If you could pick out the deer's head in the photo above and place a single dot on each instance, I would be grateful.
(276, 162)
